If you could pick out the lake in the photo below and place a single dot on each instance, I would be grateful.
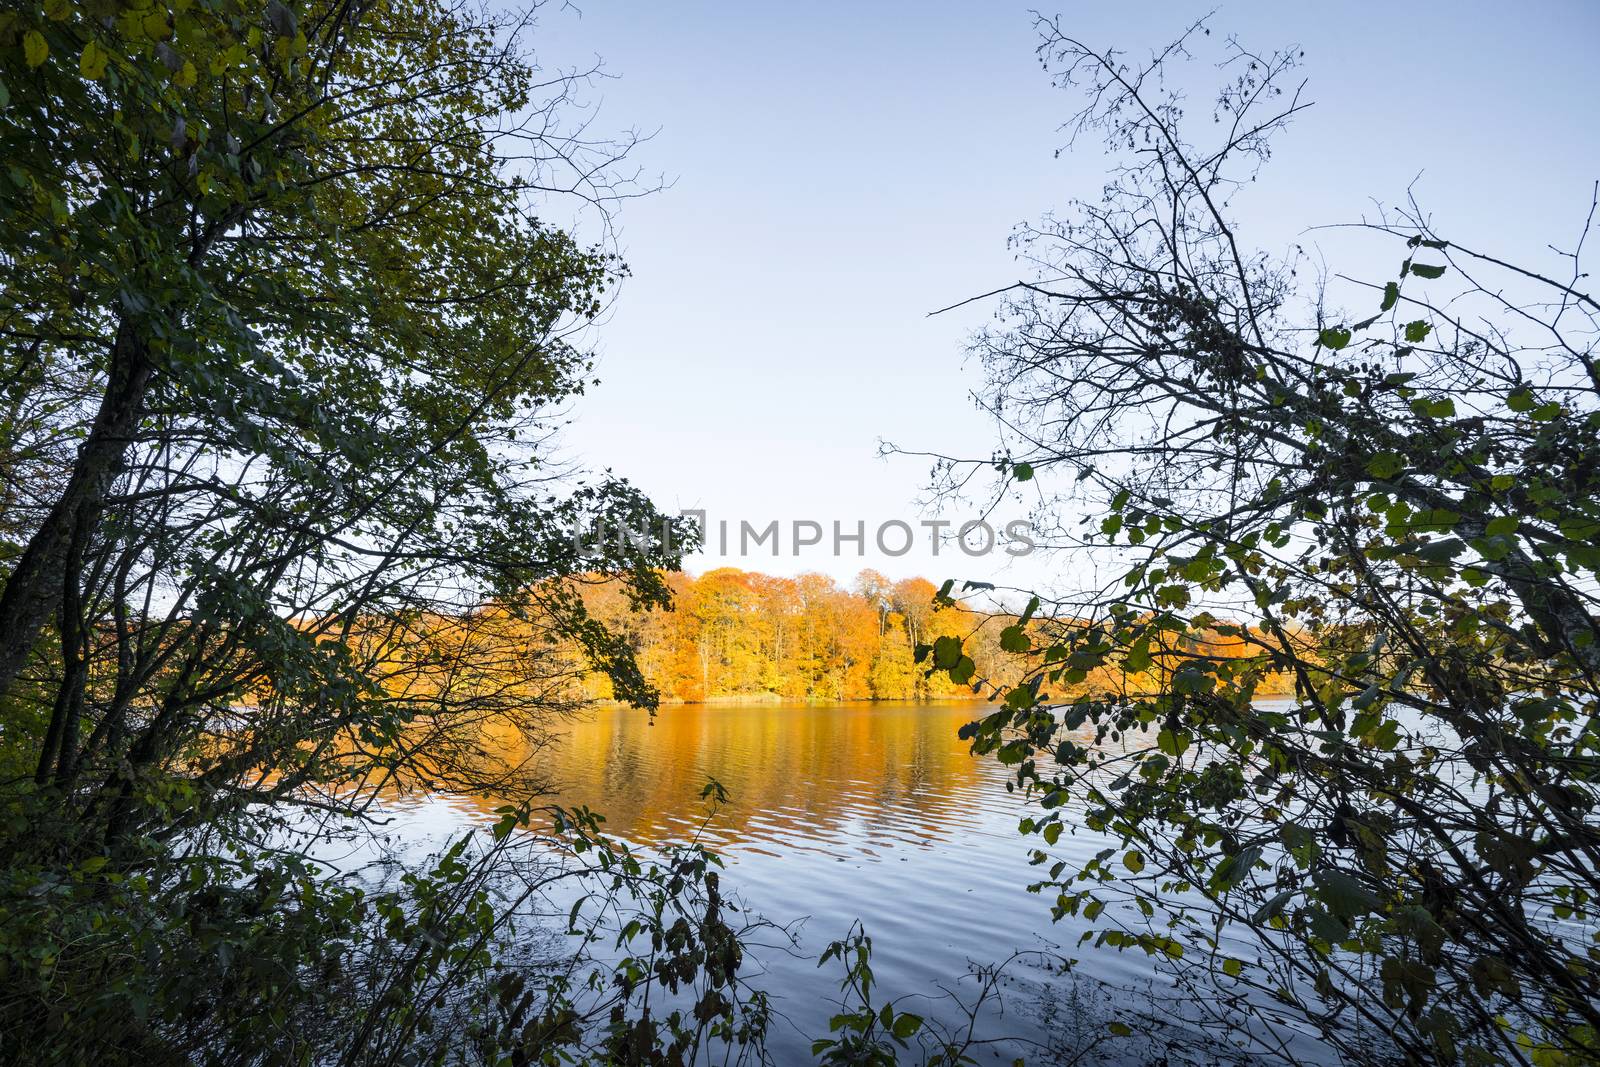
(870, 811)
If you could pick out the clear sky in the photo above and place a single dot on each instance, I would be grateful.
(840, 169)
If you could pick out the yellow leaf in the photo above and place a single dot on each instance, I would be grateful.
(185, 75)
(92, 64)
(1232, 968)
(155, 24)
(57, 9)
(1134, 862)
(34, 47)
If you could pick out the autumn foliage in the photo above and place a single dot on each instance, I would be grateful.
(742, 635)
(737, 634)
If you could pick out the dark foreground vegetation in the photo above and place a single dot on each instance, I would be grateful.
(283, 335)
(1394, 480)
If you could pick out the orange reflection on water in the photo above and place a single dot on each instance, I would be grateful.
(839, 777)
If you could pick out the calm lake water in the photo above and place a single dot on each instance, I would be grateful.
(874, 812)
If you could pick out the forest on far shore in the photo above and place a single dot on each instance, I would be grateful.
(744, 635)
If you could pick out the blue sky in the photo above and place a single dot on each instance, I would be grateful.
(841, 169)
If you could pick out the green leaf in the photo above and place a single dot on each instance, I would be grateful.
(946, 652)
(92, 64)
(1015, 639)
(1334, 338)
(906, 1024)
(1441, 551)
(1237, 867)
(1442, 408)
(1344, 895)
(1427, 270)
(1326, 926)
(1232, 967)
(1385, 465)
(1023, 696)
(1494, 548)
(1546, 412)
(34, 48)
(1391, 294)
(1521, 400)
(1501, 525)
(1273, 907)
(1033, 606)
(1120, 1029)
(1134, 861)
(1022, 472)
(1417, 331)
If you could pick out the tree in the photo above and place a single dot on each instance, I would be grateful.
(282, 334)
(1396, 505)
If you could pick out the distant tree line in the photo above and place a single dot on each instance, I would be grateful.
(737, 634)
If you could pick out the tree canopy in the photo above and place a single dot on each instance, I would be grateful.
(283, 336)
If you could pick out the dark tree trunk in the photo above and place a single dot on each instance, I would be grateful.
(34, 591)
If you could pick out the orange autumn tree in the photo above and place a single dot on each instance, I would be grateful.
(737, 634)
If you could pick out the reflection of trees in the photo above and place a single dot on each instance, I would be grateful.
(791, 771)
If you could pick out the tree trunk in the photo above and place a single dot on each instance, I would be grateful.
(34, 591)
